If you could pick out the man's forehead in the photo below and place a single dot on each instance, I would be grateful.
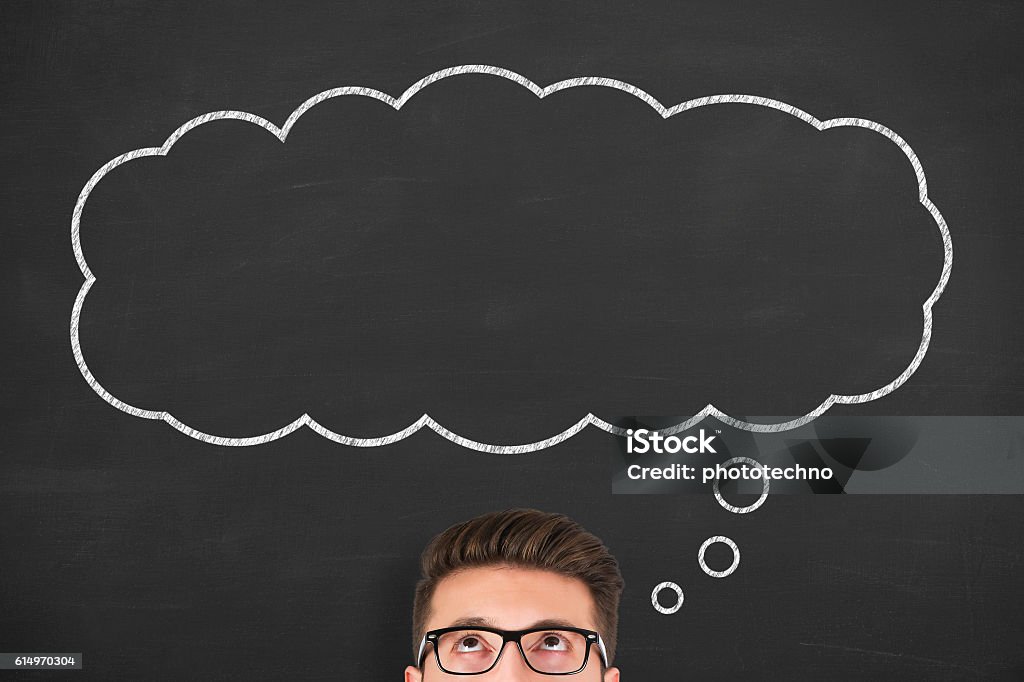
(511, 598)
(481, 621)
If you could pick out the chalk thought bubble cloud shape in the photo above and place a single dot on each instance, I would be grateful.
(710, 410)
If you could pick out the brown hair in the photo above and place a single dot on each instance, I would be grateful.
(524, 538)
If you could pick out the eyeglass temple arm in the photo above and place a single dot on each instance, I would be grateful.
(601, 648)
(419, 656)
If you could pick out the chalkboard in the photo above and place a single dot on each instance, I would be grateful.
(290, 288)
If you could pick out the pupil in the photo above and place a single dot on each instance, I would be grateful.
(551, 641)
(470, 642)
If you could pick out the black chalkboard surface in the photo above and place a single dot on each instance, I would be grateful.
(182, 491)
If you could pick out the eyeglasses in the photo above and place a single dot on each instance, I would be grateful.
(549, 651)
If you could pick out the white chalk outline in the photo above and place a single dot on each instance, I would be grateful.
(735, 556)
(669, 610)
(765, 486)
(426, 421)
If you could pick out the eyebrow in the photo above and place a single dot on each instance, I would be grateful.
(476, 621)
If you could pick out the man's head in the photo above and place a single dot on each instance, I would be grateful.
(512, 571)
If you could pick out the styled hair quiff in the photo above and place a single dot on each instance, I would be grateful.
(523, 538)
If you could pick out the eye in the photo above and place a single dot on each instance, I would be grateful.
(469, 643)
(553, 642)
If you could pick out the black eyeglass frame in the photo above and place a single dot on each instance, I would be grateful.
(516, 636)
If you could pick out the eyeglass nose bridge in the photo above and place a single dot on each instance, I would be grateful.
(507, 639)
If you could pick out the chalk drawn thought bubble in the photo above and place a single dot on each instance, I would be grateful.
(488, 175)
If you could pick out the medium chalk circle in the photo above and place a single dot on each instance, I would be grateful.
(735, 556)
